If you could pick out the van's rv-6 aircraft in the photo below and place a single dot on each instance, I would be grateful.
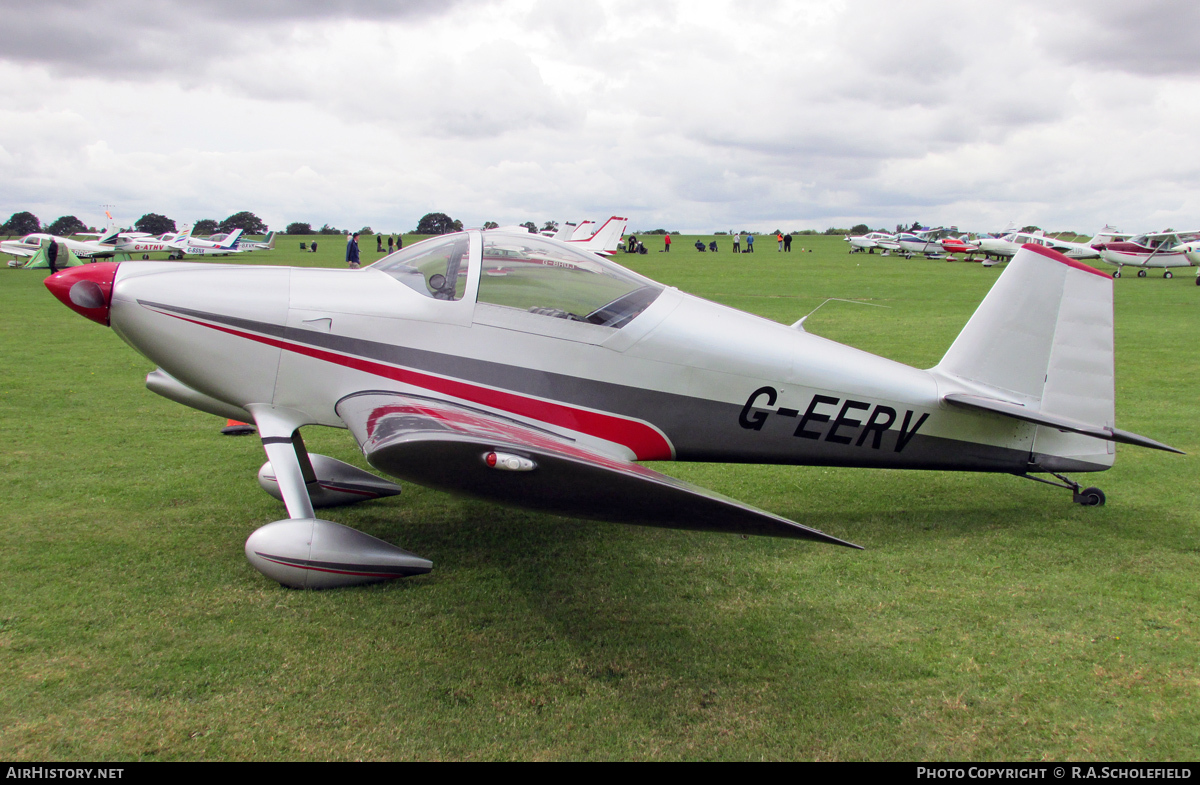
(544, 387)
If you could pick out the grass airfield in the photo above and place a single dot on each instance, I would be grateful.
(989, 617)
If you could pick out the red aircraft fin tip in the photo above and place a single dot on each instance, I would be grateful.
(1058, 257)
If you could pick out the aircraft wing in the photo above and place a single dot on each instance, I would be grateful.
(447, 446)
(17, 250)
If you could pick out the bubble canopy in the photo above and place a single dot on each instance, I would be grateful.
(526, 272)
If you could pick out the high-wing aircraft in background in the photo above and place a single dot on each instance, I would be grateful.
(1156, 250)
(923, 241)
(1005, 246)
(545, 387)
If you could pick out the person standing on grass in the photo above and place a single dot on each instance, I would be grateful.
(749, 242)
(667, 242)
(737, 243)
(352, 252)
(787, 242)
(779, 239)
(391, 243)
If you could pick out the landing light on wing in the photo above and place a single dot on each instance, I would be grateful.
(508, 462)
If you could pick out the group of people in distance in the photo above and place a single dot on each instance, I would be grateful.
(784, 240)
(633, 245)
(352, 258)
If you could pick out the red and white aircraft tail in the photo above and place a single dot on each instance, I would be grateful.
(606, 239)
(583, 231)
(1040, 349)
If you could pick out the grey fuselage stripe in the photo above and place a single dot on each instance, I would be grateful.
(699, 429)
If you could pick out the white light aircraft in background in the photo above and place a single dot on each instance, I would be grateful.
(1006, 246)
(1155, 250)
(195, 246)
(923, 241)
(246, 246)
(868, 242)
(104, 247)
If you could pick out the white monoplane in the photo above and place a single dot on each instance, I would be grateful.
(248, 246)
(926, 242)
(105, 246)
(547, 386)
(188, 245)
(1156, 250)
(868, 242)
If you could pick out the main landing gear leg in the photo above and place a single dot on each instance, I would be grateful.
(1088, 497)
(303, 551)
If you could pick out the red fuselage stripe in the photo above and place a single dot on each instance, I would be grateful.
(645, 442)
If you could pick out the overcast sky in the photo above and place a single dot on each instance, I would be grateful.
(698, 115)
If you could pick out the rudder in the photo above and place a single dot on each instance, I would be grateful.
(1043, 338)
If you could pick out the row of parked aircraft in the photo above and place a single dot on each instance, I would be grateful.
(602, 239)
(1153, 250)
(114, 243)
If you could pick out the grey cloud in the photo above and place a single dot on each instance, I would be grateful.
(145, 39)
(1153, 37)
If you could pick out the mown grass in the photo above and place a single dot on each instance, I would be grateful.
(989, 618)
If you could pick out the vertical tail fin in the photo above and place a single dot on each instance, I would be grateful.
(231, 240)
(582, 232)
(607, 237)
(1043, 339)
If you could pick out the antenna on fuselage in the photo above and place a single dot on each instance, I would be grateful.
(800, 324)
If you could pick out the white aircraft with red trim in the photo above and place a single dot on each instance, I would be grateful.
(1155, 250)
(604, 240)
(547, 386)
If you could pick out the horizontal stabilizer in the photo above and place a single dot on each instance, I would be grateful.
(477, 453)
(1016, 410)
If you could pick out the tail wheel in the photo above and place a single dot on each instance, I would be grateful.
(1117, 274)
(1167, 274)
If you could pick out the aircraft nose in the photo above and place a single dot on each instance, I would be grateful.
(86, 290)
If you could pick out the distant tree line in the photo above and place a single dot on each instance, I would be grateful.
(24, 223)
